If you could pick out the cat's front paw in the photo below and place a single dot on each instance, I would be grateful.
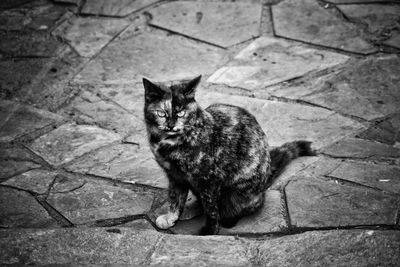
(167, 220)
(207, 230)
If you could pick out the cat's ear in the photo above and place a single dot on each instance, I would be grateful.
(190, 89)
(152, 91)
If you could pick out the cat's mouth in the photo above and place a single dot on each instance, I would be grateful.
(171, 135)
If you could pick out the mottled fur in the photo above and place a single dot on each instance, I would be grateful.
(220, 153)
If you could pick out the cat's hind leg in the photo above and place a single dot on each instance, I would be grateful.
(177, 197)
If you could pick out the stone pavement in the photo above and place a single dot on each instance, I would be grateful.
(79, 184)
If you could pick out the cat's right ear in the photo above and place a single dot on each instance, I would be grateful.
(152, 91)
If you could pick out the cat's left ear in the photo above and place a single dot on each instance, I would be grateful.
(152, 91)
(191, 86)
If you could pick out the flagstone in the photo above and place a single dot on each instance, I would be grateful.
(220, 23)
(386, 131)
(315, 202)
(98, 201)
(268, 61)
(70, 141)
(89, 35)
(306, 20)
(37, 181)
(163, 58)
(283, 122)
(124, 162)
(19, 209)
(114, 8)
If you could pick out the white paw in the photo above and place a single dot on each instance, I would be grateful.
(167, 220)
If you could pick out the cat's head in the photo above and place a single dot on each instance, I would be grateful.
(170, 110)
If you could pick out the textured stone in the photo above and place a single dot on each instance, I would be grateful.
(94, 201)
(329, 248)
(163, 58)
(359, 148)
(91, 109)
(124, 162)
(284, 122)
(115, 8)
(358, 1)
(314, 202)
(268, 61)
(19, 209)
(394, 41)
(15, 159)
(12, 3)
(366, 89)
(70, 141)
(386, 131)
(382, 176)
(37, 181)
(223, 24)
(30, 44)
(74, 246)
(89, 35)
(307, 21)
(269, 219)
(140, 224)
(179, 250)
(23, 120)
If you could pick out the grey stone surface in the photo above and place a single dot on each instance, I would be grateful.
(382, 21)
(362, 149)
(386, 131)
(70, 141)
(14, 160)
(178, 250)
(13, 3)
(358, 1)
(19, 209)
(307, 21)
(140, 224)
(220, 23)
(124, 162)
(114, 8)
(353, 90)
(76, 246)
(92, 109)
(267, 61)
(330, 248)
(315, 202)
(164, 58)
(383, 176)
(284, 122)
(22, 119)
(37, 181)
(97, 201)
(89, 35)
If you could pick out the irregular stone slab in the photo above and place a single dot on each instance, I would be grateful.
(138, 225)
(19, 209)
(180, 250)
(394, 41)
(94, 201)
(386, 131)
(37, 181)
(114, 8)
(29, 44)
(269, 219)
(124, 162)
(366, 89)
(76, 246)
(70, 141)
(89, 35)
(91, 109)
(164, 58)
(360, 148)
(223, 24)
(284, 122)
(314, 202)
(307, 21)
(358, 1)
(329, 248)
(268, 61)
(382, 20)
(382, 176)
(24, 120)
(75, 2)
(12, 3)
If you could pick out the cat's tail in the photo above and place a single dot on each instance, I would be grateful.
(281, 156)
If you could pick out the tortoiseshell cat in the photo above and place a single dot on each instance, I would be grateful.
(220, 153)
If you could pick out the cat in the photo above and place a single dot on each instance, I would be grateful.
(220, 153)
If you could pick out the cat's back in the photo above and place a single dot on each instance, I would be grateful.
(230, 115)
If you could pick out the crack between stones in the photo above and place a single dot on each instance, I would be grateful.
(157, 243)
(286, 214)
(55, 214)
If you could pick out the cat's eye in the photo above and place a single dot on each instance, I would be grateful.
(161, 113)
(181, 113)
